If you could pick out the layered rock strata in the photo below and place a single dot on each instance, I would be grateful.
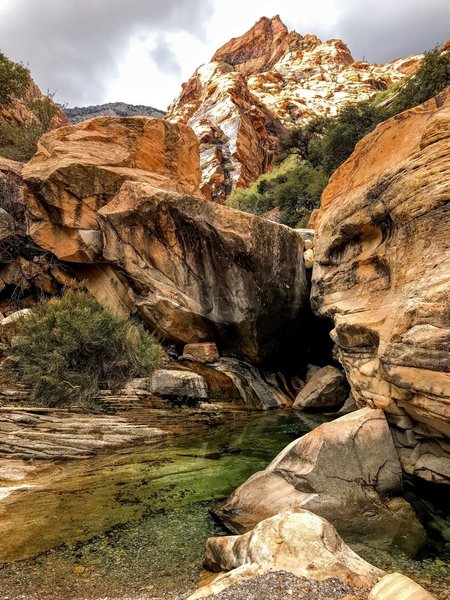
(263, 82)
(116, 191)
(382, 264)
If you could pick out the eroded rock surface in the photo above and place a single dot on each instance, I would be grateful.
(298, 542)
(334, 472)
(262, 83)
(382, 264)
(116, 191)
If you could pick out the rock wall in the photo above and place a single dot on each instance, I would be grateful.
(381, 272)
(120, 192)
(263, 82)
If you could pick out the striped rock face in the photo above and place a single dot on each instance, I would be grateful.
(262, 83)
(382, 264)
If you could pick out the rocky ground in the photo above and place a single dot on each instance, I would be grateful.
(281, 585)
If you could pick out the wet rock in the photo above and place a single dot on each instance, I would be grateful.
(298, 542)
(334, 472)
(179, 384)
(396, 586)
(202, 353)
(257, 389)
(326, 389)
(52, 434)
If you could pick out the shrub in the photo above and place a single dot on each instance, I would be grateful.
(294, 186)
(71, 347)
(19, 142)
(343, 133)
(14, 80)
(432, 77)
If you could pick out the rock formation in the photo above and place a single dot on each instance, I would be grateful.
(298, 542)
(115, 191)
(111, 109)
(263, 82)
(325, 390)
(382, 264)
(334, 472)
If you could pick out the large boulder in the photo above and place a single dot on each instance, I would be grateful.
(205, 272)
(119, 191)
(382, 264)
(79, 168)
(297, 542)
(334, 472)
(325, 390)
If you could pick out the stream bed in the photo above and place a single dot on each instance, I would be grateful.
(133, 524)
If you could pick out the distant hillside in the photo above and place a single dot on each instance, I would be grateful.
(113, 109)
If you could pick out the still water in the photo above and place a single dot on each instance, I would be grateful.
(134, 523)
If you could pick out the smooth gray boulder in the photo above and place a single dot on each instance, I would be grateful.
(327, 389)
(346, 471)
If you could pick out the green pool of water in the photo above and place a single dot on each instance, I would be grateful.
(133, 524)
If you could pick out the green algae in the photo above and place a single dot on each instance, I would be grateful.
(134, 523)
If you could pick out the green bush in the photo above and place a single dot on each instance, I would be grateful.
(432, 77)
(19, 142)
(71, 347)
(294, 186)
(14, 80)
(343, 133)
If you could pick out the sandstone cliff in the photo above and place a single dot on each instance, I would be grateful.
(263, 82)
(382, 264)
(118, 199)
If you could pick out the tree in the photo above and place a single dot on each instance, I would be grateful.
(14, 80)
(431, 78)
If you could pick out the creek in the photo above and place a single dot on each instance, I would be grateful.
(133, 524)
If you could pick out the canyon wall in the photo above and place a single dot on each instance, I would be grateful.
(381, 272)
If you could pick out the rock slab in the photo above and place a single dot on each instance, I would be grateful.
(298, 542)
(334, 472)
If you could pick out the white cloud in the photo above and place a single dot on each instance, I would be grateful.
(93, 51)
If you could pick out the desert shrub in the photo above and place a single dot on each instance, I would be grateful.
(294, 186)
(432, 77)
(70, 347)
(19, 142)
(14, 80)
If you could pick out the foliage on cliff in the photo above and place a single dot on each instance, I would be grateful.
(323, 144)
(71, 347)
(14, 80)
(24, 114)
(294, 186)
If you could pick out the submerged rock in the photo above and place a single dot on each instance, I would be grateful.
(298, 542)
(334, 472)
(326, 389)
(382, 263)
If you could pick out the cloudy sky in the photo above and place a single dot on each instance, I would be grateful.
(139, 51)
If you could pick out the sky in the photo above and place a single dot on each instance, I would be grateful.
(140, 51)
